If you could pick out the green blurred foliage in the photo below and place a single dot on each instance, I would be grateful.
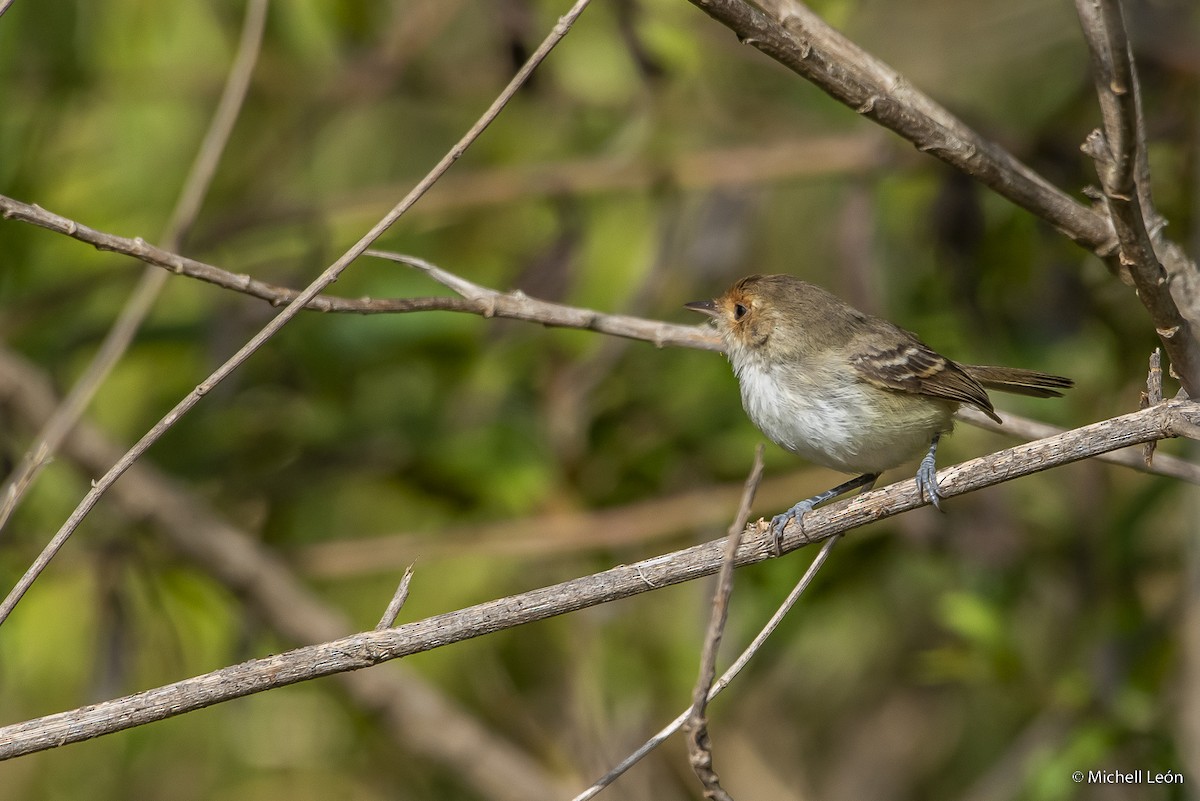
(1033, 630)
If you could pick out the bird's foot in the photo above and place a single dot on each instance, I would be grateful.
(797, 512)
(927, 476)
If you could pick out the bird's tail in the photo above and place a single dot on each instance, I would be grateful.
(1018, 381)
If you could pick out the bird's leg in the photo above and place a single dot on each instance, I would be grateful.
(927, 475)
(797, 512)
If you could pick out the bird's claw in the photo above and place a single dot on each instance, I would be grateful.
(927, 485)
(797, 512)
(779, 522)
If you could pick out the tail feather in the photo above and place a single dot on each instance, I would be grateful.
(1020, 382)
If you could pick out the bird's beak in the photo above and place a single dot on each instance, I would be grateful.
(703, 306)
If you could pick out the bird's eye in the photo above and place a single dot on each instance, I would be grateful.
(739, 311)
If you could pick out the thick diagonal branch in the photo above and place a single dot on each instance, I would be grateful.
(790, 33)
(371, 648)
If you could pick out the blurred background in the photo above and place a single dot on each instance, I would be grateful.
(1037, 628)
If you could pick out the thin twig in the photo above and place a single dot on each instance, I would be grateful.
(513, 305)
(152, 281)
(371, 648)
(516, 304)
(101, 485)
(397, 603)
(726, 678)
(1153, 395)
(699, 743)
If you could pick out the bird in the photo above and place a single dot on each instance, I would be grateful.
(847, 390)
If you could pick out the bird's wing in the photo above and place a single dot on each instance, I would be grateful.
(910, 365)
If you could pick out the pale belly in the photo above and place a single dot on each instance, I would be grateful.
(844, 426)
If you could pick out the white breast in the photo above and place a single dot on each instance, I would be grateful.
(829, 419)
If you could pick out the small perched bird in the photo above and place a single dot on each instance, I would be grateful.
(846, 390)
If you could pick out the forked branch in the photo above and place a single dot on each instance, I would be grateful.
(1166, 280)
